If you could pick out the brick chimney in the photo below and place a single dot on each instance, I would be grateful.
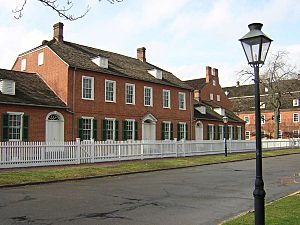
(58, 32)
(212, 74)
(141, 54)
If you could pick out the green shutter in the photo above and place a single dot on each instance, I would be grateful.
(116, 130)
(80, 128)
(95, 129)
(103, 130)
(25, 127)
(178, 133)
(186, 132)
(172, 138)
(135, 130)
(207, 132)
(216, 132)
(5, 127)
(124, 130)
(162, 131)
(227, 132)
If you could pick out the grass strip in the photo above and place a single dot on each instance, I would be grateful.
(284, 211)
(24, 176)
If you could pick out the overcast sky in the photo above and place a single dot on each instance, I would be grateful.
(181, 36)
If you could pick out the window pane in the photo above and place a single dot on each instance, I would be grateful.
(86, 129)
(15, 127)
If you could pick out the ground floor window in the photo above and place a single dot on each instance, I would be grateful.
(210, 132)
(239, 133)
(247, 135)
(167, 131)
(181, 131)
(130, 130)
(110, 129)
(14, 127)
(87, 128)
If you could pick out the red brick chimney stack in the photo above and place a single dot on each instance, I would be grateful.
(58, 32)
(208, 73)
(212, 74)
(141, 54)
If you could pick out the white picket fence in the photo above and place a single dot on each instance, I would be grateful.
(29, 154)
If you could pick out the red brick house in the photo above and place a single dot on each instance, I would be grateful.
(210, 106)
(242, 98)
(111, 96)
(29, 109)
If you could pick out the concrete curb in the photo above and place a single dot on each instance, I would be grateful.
(129, 173)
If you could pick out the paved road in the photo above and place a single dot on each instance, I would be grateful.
(199, 195)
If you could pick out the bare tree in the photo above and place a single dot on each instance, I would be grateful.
(63, 10)
(272, 78)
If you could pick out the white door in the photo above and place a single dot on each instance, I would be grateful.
(54, 127)
(199, 131)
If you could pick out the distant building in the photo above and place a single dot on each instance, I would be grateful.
(242, 98)
(211, 105)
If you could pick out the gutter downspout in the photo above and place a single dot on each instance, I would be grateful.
(191, 115)
(73, 105)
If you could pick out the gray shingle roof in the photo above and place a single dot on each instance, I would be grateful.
(30, 89)
(197, 84)
(242, 97)
(80, 56)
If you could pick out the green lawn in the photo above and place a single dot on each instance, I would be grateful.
(48, 174)
(285, 211)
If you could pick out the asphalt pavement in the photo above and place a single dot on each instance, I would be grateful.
(198, 195)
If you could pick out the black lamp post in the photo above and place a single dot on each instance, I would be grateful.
(256, 46)
(225, 120)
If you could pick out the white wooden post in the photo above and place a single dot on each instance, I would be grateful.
(119, 151)
(92, 150)
(77, 147)
(176, 147)
(142, 150)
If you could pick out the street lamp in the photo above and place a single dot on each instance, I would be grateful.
(225, 120)
(256, 46)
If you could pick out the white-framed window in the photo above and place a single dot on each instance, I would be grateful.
(295, 117)
(148, 96)
(87, 128)
(218, 98)
(40, 58)
(210, 132)
(211, 96)
(214, 82)
(239, 133)
(23, 64)
(295, 133)
(87, 88)
(110, 129)
(166, 99)
(110, 91)
(129, 93)
(166, 130)
(262, 105)
(221, 132)
(247, 119)
(182, 101)
(182, 131)
(295, 102)
(263, 119)
(14, 126)
(247, 135)
(130, 130)
(279, 134)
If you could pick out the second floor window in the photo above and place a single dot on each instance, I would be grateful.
(295, 117)
(87, 88)
(110, 91)
(247, 119)
(148, 96)
(166, 99)
(181, 99)
(130, 94)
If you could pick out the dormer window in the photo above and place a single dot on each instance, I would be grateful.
(101, 61)
(220, 111)
(157, 73)
(8, 87)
